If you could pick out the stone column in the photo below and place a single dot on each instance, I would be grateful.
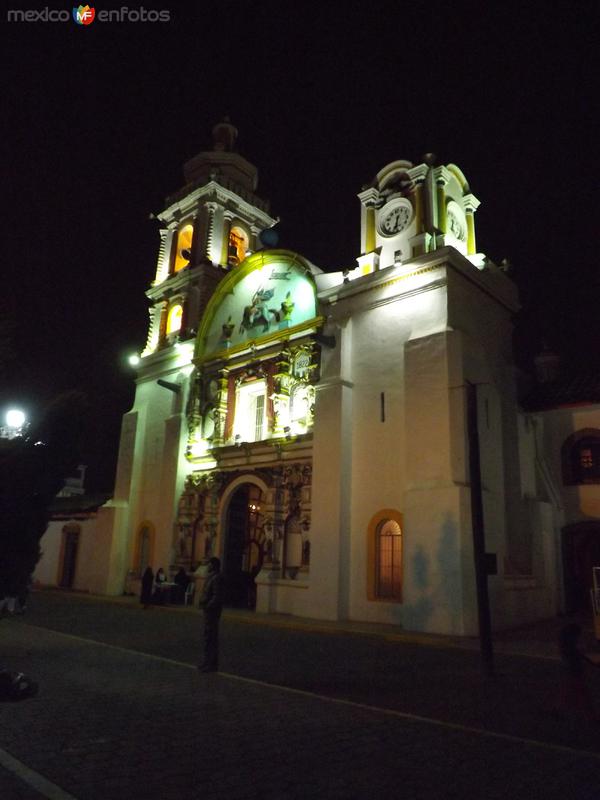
(164, 254)
(213, 238)
(471, 204)
(442, 176)
(162, 329)
(221, 408)
(227, 217)
(281, 394)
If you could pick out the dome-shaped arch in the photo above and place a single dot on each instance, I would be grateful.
(390, 171)
(460, 177)
(272, 293)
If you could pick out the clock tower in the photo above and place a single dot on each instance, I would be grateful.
(409, 210)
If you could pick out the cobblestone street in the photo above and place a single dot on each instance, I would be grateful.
(123, 713)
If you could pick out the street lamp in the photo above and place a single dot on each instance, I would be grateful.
(15, 421)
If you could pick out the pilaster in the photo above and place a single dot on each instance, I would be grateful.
(164, 252)
(470, 205)
(442, 177)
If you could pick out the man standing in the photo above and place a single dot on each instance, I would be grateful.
(212, 603)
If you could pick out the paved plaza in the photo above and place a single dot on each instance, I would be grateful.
(300, 710)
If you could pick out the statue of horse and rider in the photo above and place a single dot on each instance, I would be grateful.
(257, 313)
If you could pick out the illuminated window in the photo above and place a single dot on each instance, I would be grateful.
(388, 564)
(183, 247)
(174, 319)
(581, 458)
(384, 566)
(250, 412)
(238, 245)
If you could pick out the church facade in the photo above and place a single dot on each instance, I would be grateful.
(335, 438)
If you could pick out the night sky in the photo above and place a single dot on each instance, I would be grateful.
(100, 119)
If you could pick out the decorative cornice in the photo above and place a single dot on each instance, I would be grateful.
(419, 172)
(215, 190)
(447, 257)
(309, 326)
(370, 197)
(471, 203)
(442, 175)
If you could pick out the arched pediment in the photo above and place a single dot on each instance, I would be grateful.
(271, 294)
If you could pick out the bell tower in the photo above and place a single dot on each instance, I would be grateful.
(208, 227)
(409, 210)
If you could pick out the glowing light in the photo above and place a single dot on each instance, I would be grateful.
(199, 448)
(238, 244)
(184, 243)
(15, 418)
(174, 319)
(134, 359)
(304, 297)
(250, 412)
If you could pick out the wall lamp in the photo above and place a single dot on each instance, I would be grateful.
(172, 387)
(326, 341)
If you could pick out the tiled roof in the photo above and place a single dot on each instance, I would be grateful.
(77, 504)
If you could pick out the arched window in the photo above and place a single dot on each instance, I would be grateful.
(385, 556)
(238, 245)
(174, 318)
(581, 457)
(183, 247)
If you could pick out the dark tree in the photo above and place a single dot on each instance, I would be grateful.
(32, 471)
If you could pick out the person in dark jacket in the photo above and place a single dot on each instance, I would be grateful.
(160, 593)
(574, 695)
(212, 603)
(147, 586)
(178, 592)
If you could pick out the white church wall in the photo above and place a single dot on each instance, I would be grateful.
(159, 467)
(377, 441)
(327, 595)
(438, 555)
(49, 568)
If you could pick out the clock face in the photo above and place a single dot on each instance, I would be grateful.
(395, 219)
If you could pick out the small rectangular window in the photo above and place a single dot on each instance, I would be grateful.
(250, 412)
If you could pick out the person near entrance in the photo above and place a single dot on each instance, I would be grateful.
(212, 603)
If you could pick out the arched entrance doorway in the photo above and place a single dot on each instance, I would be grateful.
(581, 552)
(244, 545)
